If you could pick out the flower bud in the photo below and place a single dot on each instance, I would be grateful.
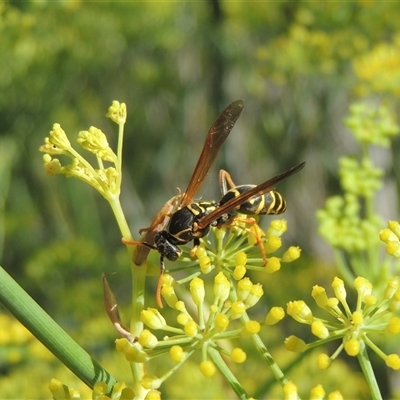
(293, 343)
(197, 290)
(238, 355)
(221, 287)
(152, 318)
(291, 254)
(274, 315)
(207, 368)
(273, 265)
(299, 311)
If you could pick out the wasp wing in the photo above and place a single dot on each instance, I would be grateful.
(237, 201)
(216, 137)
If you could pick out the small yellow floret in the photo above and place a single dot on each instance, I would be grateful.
(393, 249)
(254, 296)
(273, 265)
(238, 355)
(391, 287)
(274, 315)
(370, 300)
(317, 393)
(207, 368)
(201, 252)
(393, 326)
(352, 347)
(394, 226)
(151, 382)
(240, 258)
(182, 319)
(239, 272)
(393, 361)
(237, 309)
(177, 353)
(169, 295)
(250, 328)
(339, 289)
(205, 264)
(58, 389)
(52, 165)
(276, 228)
(363, 286)
(191, 328)
(291, 254)
(121, 344)
(273, 244)
(168, 279)
(290, 391)
(319, 295)
(197, 290)
(153, 395)
(152, 318)
(117, 112)
(221, 322)
(180, 306)
(221, 287)
(319, 329)
(336, 395)
(300, 311)
(323, 361)
(244, 287)
(99, 389)
(147, 339)
(386, 236)
(293, 343)
(358, 318)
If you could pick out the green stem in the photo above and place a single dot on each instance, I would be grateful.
(342, 267)
(227, 373)
(47, 331)
(138, 291)
(368, 372)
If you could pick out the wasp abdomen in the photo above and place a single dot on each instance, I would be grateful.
(268, 203)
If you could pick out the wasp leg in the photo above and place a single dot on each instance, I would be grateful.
(138, 243)
(224, 179)
(254, 230)
(196, 244)
(160, 282)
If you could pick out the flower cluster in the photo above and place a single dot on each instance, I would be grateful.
(317, 393)
(306, 50)
(226, 318)
(348, 221)
(241, 248)
(391, 236)
(370, 125)
(105, 180)
(371, 315)
(119, 391)
(378, 69)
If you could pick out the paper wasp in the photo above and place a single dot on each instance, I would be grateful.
(182, 220)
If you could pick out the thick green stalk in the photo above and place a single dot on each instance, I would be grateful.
(47, 331)
(368, 372)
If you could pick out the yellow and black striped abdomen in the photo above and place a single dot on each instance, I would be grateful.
(269, 203)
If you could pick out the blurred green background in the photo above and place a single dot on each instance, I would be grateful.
(297, 65)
